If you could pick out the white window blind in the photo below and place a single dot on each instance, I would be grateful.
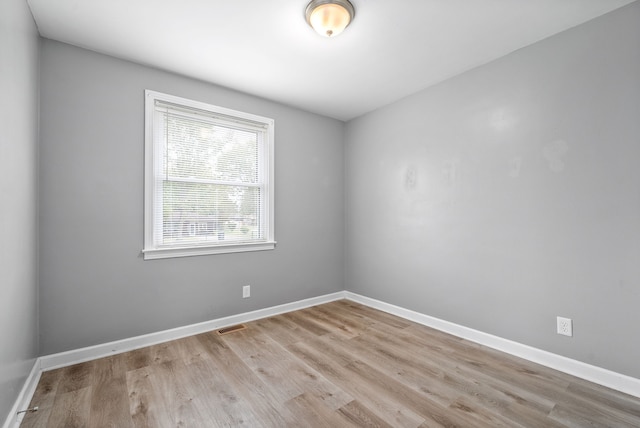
(208, 179)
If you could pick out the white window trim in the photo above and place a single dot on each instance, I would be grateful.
(150, 250)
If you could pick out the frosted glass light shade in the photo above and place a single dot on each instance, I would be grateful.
(329, 18)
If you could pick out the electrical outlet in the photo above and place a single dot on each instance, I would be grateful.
(246, 291)
(565, 326)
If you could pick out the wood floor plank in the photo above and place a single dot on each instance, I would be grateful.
(218, 399)
(394, 413)
(71, 409)
(175, 398)
(481, 416)
(332, 322)
(306, 323)
(515, 390)
(310, 412)
(339, 364)
(138, 358)
(256, 394)
(600, 396)
(145, 403)
(414, 371)
(526, 416)
(374, 314)
(350, 324)
(268, 362)
(575, 410)
(531, 385)
(288, 329)
(426, 408)
(77, 376)
(281, 372)
(162, 353)
(421, 369)
(543, 387)
(189, 350)
(572, 419)
(361, 416)
(281, 333)
(110, 386)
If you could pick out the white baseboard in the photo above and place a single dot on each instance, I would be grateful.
(24, 398)
(576, 368)
(63, 359)
(604, 377)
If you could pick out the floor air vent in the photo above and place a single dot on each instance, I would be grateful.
(232, 329)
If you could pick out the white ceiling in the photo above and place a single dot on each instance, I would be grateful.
(264, 47)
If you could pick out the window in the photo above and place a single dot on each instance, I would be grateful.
(208, 179)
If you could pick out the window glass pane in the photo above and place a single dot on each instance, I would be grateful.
(202, 212)
(204, 151)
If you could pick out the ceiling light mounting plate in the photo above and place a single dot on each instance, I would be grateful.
(329, 17)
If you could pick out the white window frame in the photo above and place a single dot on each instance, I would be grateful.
(152, 249)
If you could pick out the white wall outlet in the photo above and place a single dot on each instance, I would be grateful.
(565, 326)
(246, 291)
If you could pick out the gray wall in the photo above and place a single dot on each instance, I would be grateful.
(95, 287)
(510, 194)
(18, 213)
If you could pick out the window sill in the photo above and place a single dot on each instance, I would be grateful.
(166, 253)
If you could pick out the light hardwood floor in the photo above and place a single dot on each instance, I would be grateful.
(335, 365)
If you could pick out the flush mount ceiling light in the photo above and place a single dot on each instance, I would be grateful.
(329, 17)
